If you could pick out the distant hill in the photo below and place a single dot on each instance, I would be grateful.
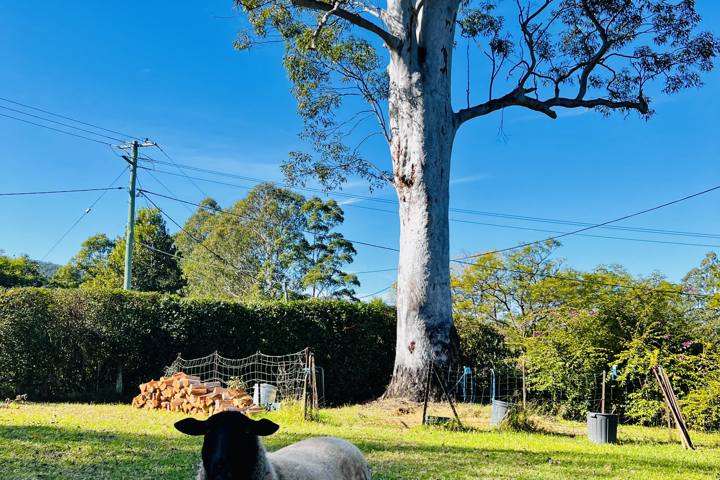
(48, 269)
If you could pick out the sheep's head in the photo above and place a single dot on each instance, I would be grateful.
(230, 449)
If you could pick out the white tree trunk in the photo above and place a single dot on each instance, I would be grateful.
(423, 130)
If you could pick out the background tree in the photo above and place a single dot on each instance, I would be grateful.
(197, 227)
(599, 54)
(326, 252)
(253, 250)
(86, 264)
(155, 264)
(20, 272)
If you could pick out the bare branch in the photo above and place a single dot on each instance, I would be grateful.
(390, 40)
(519, 98)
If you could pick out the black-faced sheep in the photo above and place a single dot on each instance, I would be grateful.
(232, 450)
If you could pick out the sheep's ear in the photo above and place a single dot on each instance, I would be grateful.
(192, 426)
(263, 427)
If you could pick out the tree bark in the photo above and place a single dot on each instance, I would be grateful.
(423, 130)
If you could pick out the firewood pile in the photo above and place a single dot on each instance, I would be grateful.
(187, 394)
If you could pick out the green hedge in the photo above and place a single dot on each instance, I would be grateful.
(69, 344)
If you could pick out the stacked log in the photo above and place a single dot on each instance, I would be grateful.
(188, 394)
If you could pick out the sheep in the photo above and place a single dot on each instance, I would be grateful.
(232, 450)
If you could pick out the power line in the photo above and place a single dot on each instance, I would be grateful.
(376, 293)
(184, 174)
(199, 242)
(52, 192)
(570, 279)
(584, 229)
(459, 261)
(61, 123)
(85, 213)
(382, 270)
(167, 189)
(496, 225)
(56, 129)
(68, 118)
(245, 217)
(465, 211)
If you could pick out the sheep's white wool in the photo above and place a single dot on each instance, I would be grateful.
(324, 458)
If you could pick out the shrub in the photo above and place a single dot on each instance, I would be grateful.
(520, 419)
(701, 407)
(74, 344)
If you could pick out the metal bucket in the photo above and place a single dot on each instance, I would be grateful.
(498, 411)
(602, 427)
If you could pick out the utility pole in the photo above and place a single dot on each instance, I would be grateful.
(130, 230)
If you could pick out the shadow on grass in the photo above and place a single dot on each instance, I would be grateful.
(49, 452)
(34, 452)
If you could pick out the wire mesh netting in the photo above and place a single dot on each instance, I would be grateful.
(289, 374)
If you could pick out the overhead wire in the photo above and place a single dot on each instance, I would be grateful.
(53, 192)
(474, 212)
(180, 169)
(84, 214)
(597, 225)
(190, 235)
(459, 261)
(68, 118)
(62, 124)
(55, 129)
(245, 217)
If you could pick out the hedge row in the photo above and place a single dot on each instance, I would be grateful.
(70, 344)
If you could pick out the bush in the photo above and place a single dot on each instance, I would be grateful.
(73, 344)
(520, 419)
(701, 407)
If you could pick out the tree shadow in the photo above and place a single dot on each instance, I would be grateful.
(34, 451)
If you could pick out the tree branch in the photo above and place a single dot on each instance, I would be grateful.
(519, 98)
(391, 40)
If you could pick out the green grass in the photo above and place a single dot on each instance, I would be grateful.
(80, 441)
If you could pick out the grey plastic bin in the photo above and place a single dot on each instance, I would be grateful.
(602, 427)
(498, 411)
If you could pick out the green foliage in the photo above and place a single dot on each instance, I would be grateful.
(701, 406)
(236, 383)
(197, 227)
(153, 271)
(327, 252)
(520, 419)
(90, 261)
(70, 344)
(273, 244)
(254, 250)
(20, 272)
(567, 327)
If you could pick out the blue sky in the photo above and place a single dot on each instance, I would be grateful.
(167, 71)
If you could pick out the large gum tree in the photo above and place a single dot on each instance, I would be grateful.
(394, 63)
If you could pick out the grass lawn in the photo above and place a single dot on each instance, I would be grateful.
(81, 441)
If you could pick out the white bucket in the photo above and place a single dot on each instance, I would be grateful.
(264, 393)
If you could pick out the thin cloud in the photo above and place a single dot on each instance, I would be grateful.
(467, 179)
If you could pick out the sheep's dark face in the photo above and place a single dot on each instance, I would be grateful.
(230, 450)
